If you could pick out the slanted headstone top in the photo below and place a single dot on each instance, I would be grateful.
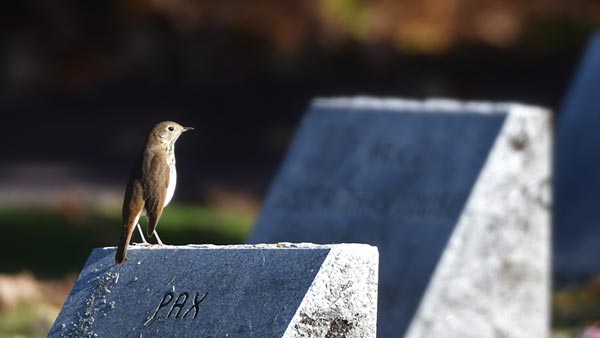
(454, 194)
(284, 290)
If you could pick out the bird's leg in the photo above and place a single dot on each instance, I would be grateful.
(158, 238)
(144, 241)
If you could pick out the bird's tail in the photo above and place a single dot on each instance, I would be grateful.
(124, 243)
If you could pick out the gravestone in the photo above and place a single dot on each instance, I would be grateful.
(577, 222)
(284, 290)
(455, 195)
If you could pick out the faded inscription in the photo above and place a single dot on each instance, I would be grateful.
(342, 199)
(386, 153)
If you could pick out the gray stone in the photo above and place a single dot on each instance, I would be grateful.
(577, 230)
(283, 290)
(455, 195)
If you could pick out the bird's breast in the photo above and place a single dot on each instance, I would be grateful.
(171, 185)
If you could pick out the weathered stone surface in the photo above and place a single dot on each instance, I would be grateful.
(342, 300)
(455, 195)
(224, 291)
(577, 230)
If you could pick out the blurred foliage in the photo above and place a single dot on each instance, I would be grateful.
(420, 25)
(70, 44)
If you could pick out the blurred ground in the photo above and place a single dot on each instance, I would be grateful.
(28, 307)
(572, 307)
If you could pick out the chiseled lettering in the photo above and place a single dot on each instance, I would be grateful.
(164, 302)
(178, 305)
(196, 305)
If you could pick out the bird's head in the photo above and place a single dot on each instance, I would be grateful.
(168, 132)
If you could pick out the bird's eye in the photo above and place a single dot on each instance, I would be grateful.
(171, 128)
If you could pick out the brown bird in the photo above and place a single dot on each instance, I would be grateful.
(151, 184)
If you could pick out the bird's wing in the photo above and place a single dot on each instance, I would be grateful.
(155, 182)
(133, 205)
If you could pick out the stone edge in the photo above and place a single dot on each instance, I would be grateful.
(260, 246)
(436, 105)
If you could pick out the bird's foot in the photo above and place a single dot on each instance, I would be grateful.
(141, 244)
(160, 243)
(144, 241)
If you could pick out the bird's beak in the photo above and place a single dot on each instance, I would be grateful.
(187, 129)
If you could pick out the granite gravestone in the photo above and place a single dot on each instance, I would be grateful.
(577, 230)
(283, 290)
(455, 195)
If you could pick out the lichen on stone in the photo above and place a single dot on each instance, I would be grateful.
(94, 304)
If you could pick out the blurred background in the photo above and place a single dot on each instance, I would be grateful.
(82, 83)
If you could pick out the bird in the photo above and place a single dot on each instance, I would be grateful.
(151, 184)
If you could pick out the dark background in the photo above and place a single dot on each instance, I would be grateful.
(82, 82)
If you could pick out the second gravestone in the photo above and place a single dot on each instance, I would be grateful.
(455, 195)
